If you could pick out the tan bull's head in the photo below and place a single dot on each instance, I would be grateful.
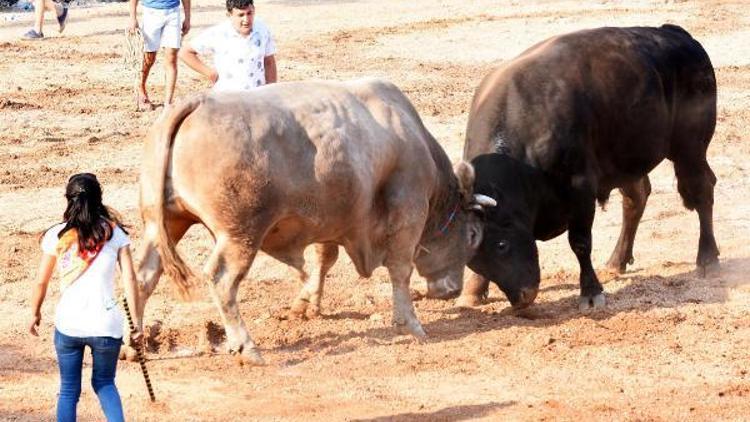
(447, 246)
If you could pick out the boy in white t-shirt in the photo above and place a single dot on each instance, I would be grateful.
(242, 48)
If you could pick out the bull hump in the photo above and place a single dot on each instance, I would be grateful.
(676, 28)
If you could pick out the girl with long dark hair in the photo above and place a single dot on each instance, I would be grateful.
(85, 248)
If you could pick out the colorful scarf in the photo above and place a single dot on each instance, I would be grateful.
(72, 262)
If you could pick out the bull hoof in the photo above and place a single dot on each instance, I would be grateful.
(415, 330)
(313, 311)
(419, 335)
(299, 306)
(588, 302)
(469, 301)
(302, 308)
(248, 356)
(615, 267)
(619, 266)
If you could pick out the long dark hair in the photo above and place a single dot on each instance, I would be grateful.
(85, 212)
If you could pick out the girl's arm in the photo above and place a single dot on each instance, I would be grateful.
(130, 286)
(44, 274)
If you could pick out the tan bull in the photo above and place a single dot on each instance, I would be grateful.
(293, 164)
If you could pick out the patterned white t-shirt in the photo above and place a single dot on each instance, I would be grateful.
(237, 59)
(88, 307)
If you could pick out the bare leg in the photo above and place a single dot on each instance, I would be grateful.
(149, 58)
(225, 269)
(41, 6)
(170, 70)
(475, 291)
(634, 197)
(307, 302)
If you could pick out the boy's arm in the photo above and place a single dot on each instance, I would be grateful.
(188, 55)
(269, 62)
(186, 22)
(133, 5)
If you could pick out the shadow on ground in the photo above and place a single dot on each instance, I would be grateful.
(641, 294)
(453, 413)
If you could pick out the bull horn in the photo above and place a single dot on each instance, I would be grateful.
(484, 200)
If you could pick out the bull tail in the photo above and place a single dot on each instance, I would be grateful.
(174, 267)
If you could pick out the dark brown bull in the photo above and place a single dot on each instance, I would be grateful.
(570, 119)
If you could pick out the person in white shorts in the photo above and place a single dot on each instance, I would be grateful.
(242, 48)
(161, 26)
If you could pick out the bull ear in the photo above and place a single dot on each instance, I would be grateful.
(474, 236)
(465, 173)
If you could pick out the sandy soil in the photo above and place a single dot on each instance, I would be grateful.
(670, 345)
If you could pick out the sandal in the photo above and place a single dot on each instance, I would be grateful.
(33, 35)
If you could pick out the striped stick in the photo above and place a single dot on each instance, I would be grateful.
(139, 351)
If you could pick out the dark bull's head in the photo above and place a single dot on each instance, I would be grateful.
(448, 245)
(508, 255)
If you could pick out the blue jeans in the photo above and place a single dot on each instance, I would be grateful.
(105, 351)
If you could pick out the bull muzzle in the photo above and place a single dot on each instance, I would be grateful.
(443, 289)
(526, 297)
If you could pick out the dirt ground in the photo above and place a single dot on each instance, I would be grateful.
(670, 345)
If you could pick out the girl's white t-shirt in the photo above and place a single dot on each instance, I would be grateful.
(88, 307)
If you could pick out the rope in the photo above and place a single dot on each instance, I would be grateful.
(132, 58)
(139, 351)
